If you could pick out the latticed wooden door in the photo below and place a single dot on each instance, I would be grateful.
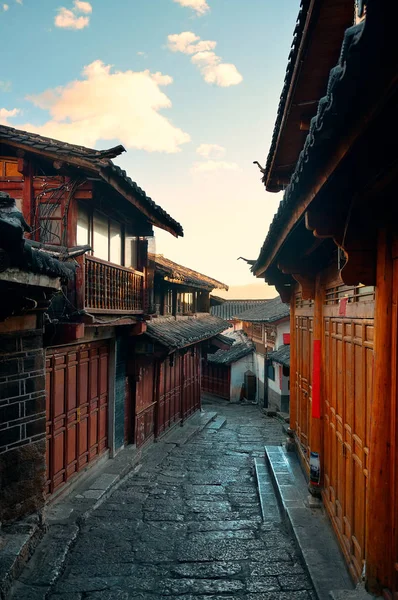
(348, 382)
(304, 342)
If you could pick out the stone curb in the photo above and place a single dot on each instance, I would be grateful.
(65, 518)
(308, 525)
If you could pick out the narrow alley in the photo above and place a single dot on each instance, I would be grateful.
(191, 527)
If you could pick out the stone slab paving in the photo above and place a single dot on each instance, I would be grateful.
(187, 528)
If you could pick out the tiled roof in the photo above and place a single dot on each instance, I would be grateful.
(97, 161)
(232, 308)
(177, 333)
(179, 274)
(267, 312)
(225, 339)
(297, 37)
(350, 93)
(241, 347)
(281, 356)
(42, 263)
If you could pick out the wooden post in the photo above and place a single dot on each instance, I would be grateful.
(157, 395)
(315, 441)
(378, 514)
(27, 194)
(293, 362)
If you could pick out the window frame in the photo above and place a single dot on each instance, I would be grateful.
(125, 234)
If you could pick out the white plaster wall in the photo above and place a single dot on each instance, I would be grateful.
(260, 374)
(238, 370)
(275, 385)
(280, 330)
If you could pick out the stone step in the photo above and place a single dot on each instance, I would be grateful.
(285, 417)
(217, 423)
(358, 594)
(309, 525)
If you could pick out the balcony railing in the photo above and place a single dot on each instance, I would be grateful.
(112, 289)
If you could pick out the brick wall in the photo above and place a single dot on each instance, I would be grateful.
(22, 423)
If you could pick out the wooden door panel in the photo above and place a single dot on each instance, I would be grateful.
(74, 434)
(348, 379)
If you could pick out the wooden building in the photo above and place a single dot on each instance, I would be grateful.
(167, 359)
(225, 371)
(331, 251)
(29, 279)
(85, 211)
(229, 310)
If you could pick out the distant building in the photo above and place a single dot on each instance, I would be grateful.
(227, 372)
(229, 310)
(267, 325)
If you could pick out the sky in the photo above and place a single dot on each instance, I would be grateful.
(189, 87)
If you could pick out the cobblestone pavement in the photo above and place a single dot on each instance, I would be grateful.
(191, 527)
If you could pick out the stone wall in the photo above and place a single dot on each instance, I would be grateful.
(22, 420)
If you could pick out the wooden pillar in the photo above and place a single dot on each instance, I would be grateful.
(157, 395)
(378, 515)
(315, 441)
(293, 362)
(26, 168)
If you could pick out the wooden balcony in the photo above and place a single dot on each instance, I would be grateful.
(110, 288)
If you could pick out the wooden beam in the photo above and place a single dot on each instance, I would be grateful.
(28, 194)
(307, 285)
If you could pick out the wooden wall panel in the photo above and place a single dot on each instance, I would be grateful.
(216, 380)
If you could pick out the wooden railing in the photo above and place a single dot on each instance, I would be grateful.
(112, 289)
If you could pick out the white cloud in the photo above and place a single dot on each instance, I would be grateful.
(185, 42)
(214, 165)
(5, 7)
(83, 7)
(5, 86)
(143, 54)
(106, 105)
(7, 114)
(19, 1)
(210, 151)
(201, 51)
(199, 6)
(69, 19)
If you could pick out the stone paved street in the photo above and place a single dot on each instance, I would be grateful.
(191, 527)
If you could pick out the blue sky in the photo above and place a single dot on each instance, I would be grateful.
(162, 119)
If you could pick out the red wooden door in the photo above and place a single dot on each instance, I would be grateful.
(169, 407)
(216, 380)
(144, 400)
(76, 409)
(191, 377)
